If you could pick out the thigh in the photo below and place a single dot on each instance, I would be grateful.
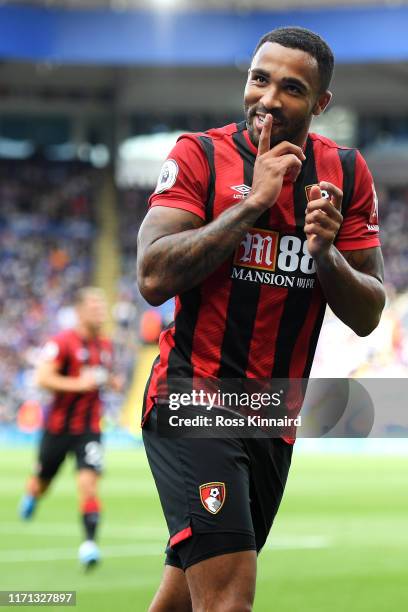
(173, 594)
(203, 486)
(225, 582)
(52, 452)
(270, 464)
(88, 452)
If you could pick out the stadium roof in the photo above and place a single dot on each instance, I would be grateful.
(239, 5)
(194, 38)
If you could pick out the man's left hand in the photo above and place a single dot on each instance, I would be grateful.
(323, 218)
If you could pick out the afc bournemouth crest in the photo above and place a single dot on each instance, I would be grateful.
(212, 495)
(325, 194)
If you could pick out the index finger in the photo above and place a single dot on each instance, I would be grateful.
(264, 144)
(335, 193)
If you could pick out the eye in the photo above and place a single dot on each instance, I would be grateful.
(258, 78)
(294, 89)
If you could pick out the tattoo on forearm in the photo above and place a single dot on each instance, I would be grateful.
(192, 254)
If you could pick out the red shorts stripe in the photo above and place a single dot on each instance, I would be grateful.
(180, 536)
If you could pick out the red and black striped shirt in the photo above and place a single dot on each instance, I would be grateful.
(76, 413)
(259, 314)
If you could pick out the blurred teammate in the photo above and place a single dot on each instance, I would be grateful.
(74, 365)
(255, 227)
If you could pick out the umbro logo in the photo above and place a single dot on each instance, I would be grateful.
(243, 190)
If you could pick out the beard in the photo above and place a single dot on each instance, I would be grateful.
(291, 131)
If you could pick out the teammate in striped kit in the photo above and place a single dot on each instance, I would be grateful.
(75, 364)
(254, 227)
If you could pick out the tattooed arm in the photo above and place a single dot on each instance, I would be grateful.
(352, 283)
(176, 251)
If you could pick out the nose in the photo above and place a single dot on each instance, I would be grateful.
(270, 98)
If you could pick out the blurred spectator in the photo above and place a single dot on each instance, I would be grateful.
(47, 229)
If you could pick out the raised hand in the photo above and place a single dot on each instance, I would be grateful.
(323, 218)
(271, 166)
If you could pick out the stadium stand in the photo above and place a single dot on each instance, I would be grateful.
(50, 227)
(59, 227)
(47, 227)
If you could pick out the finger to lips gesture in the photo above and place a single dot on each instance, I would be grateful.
(272, 165)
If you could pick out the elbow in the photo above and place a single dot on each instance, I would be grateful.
(150, 289)
(149, 284)
(365, 328)
(155, 283)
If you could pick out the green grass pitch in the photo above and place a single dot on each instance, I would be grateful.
(339, 544)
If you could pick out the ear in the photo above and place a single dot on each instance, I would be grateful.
(322, 102)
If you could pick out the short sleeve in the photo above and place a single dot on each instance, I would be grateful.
(183, 179)
(360, 229)
(54, 351)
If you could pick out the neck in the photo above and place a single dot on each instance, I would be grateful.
(301, 139)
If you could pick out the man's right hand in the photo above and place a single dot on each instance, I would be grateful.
(271, 166)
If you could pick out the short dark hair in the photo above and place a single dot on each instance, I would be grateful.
(305, 40)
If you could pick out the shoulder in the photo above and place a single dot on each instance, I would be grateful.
(70, 339)
(215, 134)
(223, 132)
(350, 157)
(106, 342)
(326, 143)
(64, 336)
(193, 152)
(57, 345)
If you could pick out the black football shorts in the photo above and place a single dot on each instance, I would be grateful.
(219, 495)
(86, 447)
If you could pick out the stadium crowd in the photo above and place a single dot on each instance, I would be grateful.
(133, 207)
(384, 352)
(394, 226)
(48, 226)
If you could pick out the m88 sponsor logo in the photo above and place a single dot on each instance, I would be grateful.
(264, 256)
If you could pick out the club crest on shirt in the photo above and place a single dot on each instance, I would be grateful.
(325, 194)
(168, 175)
(212, 495)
